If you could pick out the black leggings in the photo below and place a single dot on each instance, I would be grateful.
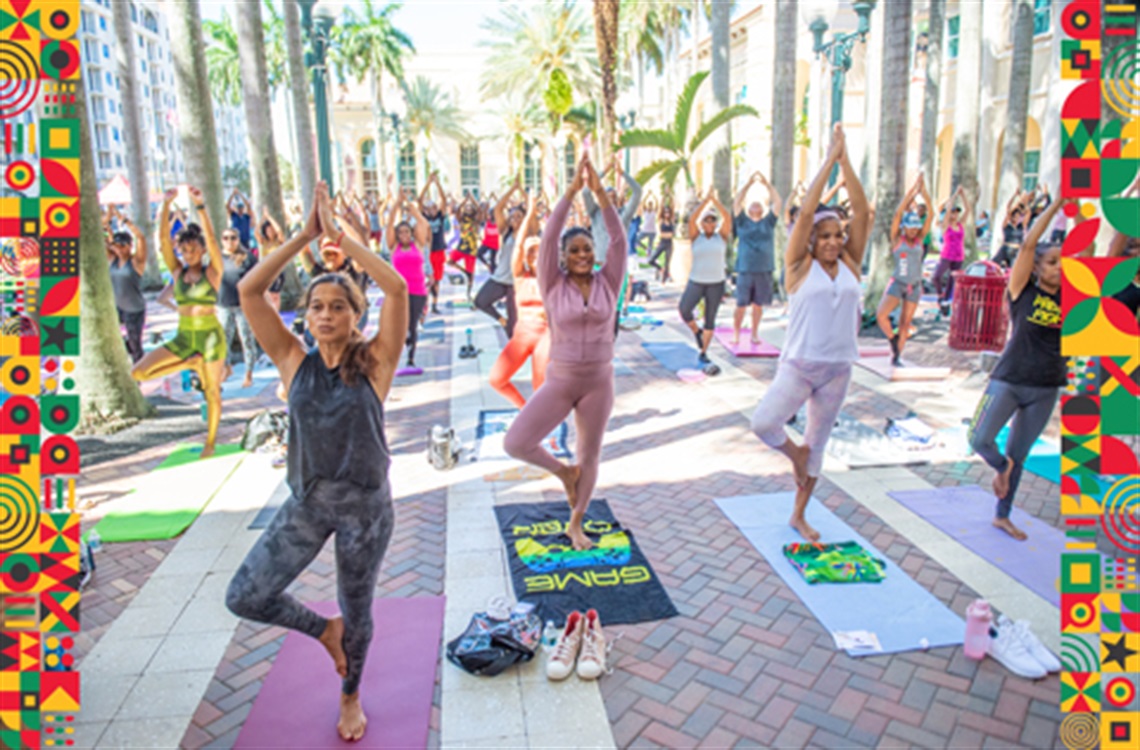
(416, 305)
(665, 247)
(134, 322)
(362, 520)
(490, 293)
(694, 292)
(487, 256)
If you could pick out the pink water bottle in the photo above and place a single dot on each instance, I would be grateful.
(978, 621)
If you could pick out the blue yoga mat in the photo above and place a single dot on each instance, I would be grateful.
(674, 356)
(899, 611)
(1044, 457)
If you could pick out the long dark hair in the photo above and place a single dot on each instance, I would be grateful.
(359, 361)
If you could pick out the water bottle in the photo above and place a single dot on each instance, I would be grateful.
(94, 541)
(550, 634)
(186, 381)
(470, 343)
(978, 621)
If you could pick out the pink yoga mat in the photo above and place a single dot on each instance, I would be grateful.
(882, 367)
(298, 705)
(745, 348)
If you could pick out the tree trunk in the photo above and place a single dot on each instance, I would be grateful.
(931, 93)
(378, 98)
(966, 97)
(264, 171)
(892, 142)
(299, 90)
(1017, 112)
(195, 107)
(721, 140)
(784, 107)
(133, 133)
(109, 398)
(606, 34)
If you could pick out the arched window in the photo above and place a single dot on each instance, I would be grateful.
(469, 168)
(369, 177)
(570, 160)
(532, 166)
(407, 170)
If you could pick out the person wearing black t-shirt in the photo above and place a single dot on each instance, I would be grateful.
(1027, 379)
(436, 217)
(236, 263)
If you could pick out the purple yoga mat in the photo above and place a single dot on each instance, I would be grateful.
(406, 371)
(967, 514)
(745, 348)
(298, 705)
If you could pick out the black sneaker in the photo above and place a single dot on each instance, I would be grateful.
(895, 346)
(704, 359)
(896, 362)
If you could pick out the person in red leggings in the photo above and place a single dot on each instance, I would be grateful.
(531, 337)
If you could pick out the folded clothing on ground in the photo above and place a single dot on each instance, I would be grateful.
(841, 562)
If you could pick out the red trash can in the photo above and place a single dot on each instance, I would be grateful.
(980, 317)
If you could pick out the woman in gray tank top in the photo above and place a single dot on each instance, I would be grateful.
(908, 230)
(338, 457)
(126, 252)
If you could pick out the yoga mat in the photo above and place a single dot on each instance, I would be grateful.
(620, 368)
(966, 513)
(898, 610)
(408, 371)
(745, 348)
(493, 426)
(674, 356)
(275, 501)
(1044, 458)
(168, 499)
(614, 577)
(860, 446)
(647, 320)
(882, 367)
(522, 473)
(298, 704)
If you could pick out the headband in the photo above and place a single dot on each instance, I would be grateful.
(824, 216)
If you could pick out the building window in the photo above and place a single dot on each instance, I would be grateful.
(1042, 16)
(101, 136)
(85, 22)
(134, 13)
(104, 160)
(97, 106)
(144, 66)
(115, 134)
(368, 175)
(111, 104)
(102, 23)
(1032, 169)
(108, 76)
(532, 167)
(149, 22)
(407, 168)
(106, 53)
(118, 160)
(952, 24)
(570, 160)
(141, 44)
(469, 168)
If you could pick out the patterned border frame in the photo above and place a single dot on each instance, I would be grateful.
(1100, 406)
(39, 345)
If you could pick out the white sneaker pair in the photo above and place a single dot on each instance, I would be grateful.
(1017, 649)
(581, 641)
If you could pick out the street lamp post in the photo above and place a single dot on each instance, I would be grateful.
(837, 52)
(318, 26)
(626, 122)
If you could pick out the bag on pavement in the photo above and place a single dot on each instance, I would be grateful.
(265, 426)
(490, 645)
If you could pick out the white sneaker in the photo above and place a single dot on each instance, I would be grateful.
(1036, 648)
(592, 661)
(561, 661)
(1010, 650)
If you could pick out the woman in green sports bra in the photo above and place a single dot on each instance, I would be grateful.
(200, 343)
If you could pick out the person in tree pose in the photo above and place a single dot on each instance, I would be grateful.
(755, 254)
(126, 252)
(907, 232)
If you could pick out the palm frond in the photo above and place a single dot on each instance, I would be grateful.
(640, 138)
(685, 105)
(720, 118)
(660, 166)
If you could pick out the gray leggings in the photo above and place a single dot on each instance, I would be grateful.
(362, 520)
(234, 323)
(1030, 407)
(694, 292)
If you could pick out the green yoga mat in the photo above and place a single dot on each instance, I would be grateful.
(169, 498)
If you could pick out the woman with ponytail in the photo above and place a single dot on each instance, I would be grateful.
(338, 457)
(200, 343)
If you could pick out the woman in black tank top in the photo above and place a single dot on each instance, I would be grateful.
(337, 464)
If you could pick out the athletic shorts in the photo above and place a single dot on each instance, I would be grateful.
(468, 261)
(905, 292)
(754, 288)
(198, 334)
(437, 259)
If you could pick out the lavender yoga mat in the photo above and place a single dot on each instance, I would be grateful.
(966, 514)
(298, 705)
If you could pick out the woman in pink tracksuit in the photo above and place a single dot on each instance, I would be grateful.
(580, 307)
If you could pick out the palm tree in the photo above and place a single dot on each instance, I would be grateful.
(889, 189)
(276, 70)
(784, 97)
(299, 96)
(223, 64)
(370, 45)
(966, 113)
(195, 108)
(721, 51)
(430, 112)
(606, 37)
(1017, 106)
(932, 89)
(136, 163)
(522, 122)
(108, 396)
(676, 139)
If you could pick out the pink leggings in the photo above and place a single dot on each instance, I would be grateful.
(530, 339)
(587, 389)
(822, 385)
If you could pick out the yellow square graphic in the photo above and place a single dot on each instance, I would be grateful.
(1081, 573)
(60, 138)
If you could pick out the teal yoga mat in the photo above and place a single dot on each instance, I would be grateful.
(899, 611)
(1044, 457)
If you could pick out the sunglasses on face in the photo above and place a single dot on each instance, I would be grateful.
(229, 237)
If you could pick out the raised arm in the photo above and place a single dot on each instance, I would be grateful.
(829, 196)
(1022, 268)
(738, 201)
(528, 229)
(500, 209)
(775, 202)
(613, 269)
(213, 253)
(138, 259)
(549, 271)
(421, 232)
(929, 206)
(725, 217)
(165, 242)
(393, 218)
(862, 216)
(798, 251)
(896, 222)
(634, 198)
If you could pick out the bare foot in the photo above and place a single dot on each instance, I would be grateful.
(1007, 526)
(248, 380)
(799, 457)
(579, 539)
(756, 341)
(352, 719)
(331, 640)
(207, 452)
(736, 338)
(1001, 479)
(569, 476)
(227, 371)
(804, 528)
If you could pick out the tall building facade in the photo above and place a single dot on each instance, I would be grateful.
(161, 146)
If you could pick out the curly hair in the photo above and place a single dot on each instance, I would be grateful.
(359, 361)
(192, 232)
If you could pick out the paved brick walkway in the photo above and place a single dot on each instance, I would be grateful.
(745, 664)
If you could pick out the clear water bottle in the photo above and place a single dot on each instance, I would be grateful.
(550, 634)
(94, 541)
(979, 617)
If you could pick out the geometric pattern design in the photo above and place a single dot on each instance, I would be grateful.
(39, 323)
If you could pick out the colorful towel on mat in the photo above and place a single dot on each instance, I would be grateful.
(842, 562)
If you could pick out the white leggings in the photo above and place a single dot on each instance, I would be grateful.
(822, 385)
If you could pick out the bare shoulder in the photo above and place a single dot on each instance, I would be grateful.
(797, 274)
